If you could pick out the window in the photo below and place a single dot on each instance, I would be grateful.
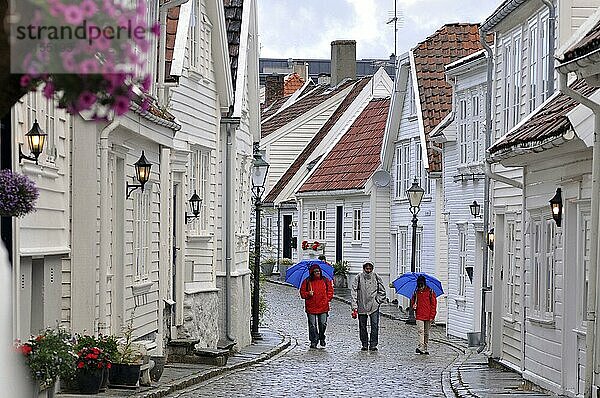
(199, 173)
(516, 72)
(509, 273)
(402, 169)
(462, 261)
(200, 40)
(584, 262)
(463, 141)
(50, 124)
(402, 255)
(194, 42)
(322, 224)
(356, 225)
(141, 232)
(420, 173)
(418, 245)
(543, 246)
(410, 94)
(269, 231)
(545, 56)
(507, 61)
(533, 67)
(312, 224)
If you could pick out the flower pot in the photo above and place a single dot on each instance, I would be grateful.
(267, 268)
(89, 381)
(157, 370)
(340, 281)
(104, 382)
(124, 375)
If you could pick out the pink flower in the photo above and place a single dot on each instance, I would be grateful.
(86, 100)
(146, 83)
(73, 14)
(25, 80)
(48, 90)
(88, 66)
(121, 105)
(88, 7)
(56, 8)
(155, 28)
(145, 104)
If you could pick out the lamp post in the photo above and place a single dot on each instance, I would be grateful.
(259, 174)
(415, 195)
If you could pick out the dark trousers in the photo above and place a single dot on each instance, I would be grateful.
(362, 327)
(317, 323)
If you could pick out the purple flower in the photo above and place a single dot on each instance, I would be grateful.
(73, 14)
(17, 194)
(155, 29)
(25, 81)
(86, 100)
(121, 105)
(88, 7)
(88, 66)
(145, 104)
(146, 83)
(48, 90)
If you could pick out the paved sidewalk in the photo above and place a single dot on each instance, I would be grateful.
(178, 376)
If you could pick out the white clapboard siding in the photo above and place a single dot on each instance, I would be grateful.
(380, 229)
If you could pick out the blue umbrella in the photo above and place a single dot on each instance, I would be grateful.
(299, 271)
(406, 284)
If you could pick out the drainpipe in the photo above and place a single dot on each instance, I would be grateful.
(163, 10)
(551, 41)
(230, 126)
(278, 237)
(104, 224)
(591, 356)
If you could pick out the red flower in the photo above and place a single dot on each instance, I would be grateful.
(80, 365)
(26, 349)
(315, 245)
(108, 365)
(304, 245)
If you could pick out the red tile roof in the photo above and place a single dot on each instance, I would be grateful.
(356, 156)
(450, 43)
(233, 22)
(273, 107)
(547, 122)
(589, 43)
(305, 103)
(312, 145)
(293, 82)
(171, 34)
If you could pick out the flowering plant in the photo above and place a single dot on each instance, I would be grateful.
(314, 245)
(48, 355)
(17, 194)
(107, 344)
(92, 358)
(304, 244)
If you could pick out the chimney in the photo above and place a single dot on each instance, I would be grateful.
(273, 88)
(343, 60)
(324, 78)
(301, 68)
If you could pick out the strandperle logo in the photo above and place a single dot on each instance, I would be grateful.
(80, 36)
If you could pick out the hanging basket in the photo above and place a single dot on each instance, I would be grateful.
(18, 194)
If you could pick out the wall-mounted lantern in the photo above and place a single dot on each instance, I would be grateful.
(556, 206)
(142, 173)
(35, 141)
(475, 209)
(195, 203)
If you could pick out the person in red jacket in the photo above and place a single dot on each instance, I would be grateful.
(424, 303)
(317, 291)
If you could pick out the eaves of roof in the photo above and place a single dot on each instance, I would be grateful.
(503, 10)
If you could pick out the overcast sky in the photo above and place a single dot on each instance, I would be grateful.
(305, 28)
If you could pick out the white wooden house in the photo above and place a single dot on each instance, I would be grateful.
(421, 101)
(340, 204)
(282, 194)
(462, 141)
(521, 83)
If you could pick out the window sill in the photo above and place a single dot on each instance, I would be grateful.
(207, 237)
(460, 300)
(139, 288)
(579, 332)
(548, 323)
(412, 118)
(47, 170)
(195, 75)
(509, 319)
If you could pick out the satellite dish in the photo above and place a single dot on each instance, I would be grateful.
(381, 178)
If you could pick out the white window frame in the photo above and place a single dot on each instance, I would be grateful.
(462, 260)
(476, 126)
(312, 224)
(543, 244)
(463, 131)
(583, 263)
(418, 251)
(510, 261)
(322, 224)
(517, 79)
(141, 233)
(356, 225)
(420, 172)
(412, 100)
(533, 31)
(507, 83)
(403, 161)
(402, 262)
(194, 36)
(269, 230)
(199, 181)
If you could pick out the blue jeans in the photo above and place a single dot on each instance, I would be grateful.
(362, 327)
(317, 323)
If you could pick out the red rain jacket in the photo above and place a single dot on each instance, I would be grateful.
(426, 304)
(318, 303)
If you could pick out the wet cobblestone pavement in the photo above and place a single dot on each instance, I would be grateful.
(340, 369)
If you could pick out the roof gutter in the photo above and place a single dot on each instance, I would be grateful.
(499, 15)
(591, 365)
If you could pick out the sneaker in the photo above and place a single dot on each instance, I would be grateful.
(426, 353)
(373, 348)
(322, 342)
(312, 345)
(419, 351)
(364, 348)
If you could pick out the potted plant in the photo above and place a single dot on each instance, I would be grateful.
(267, 266)
(91, 361)
(18, 194)
(106, 343)
(125, 370)
(48, 357)
(340, 273)
(284, 264)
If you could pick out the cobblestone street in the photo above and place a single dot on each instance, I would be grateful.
(340, 369)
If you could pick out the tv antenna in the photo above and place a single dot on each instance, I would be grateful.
(395, 17)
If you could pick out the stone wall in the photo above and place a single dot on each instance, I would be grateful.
(200, 318)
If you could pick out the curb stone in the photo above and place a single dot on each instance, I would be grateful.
(199, 377)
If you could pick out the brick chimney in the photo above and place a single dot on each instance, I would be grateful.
(301, 68)
(273, 88)
(343, 60)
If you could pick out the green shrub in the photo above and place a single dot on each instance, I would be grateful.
(340, 268)
(286, 261)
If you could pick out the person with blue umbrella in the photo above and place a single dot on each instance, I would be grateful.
(317, 292)
(424, 302)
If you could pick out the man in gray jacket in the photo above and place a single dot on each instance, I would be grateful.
(368, 293)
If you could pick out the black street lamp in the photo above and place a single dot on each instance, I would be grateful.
(475, 209)
(556, 207)
(195, 203)
(415, 195)
(259, 174)
(142, 174)
(35, 141)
